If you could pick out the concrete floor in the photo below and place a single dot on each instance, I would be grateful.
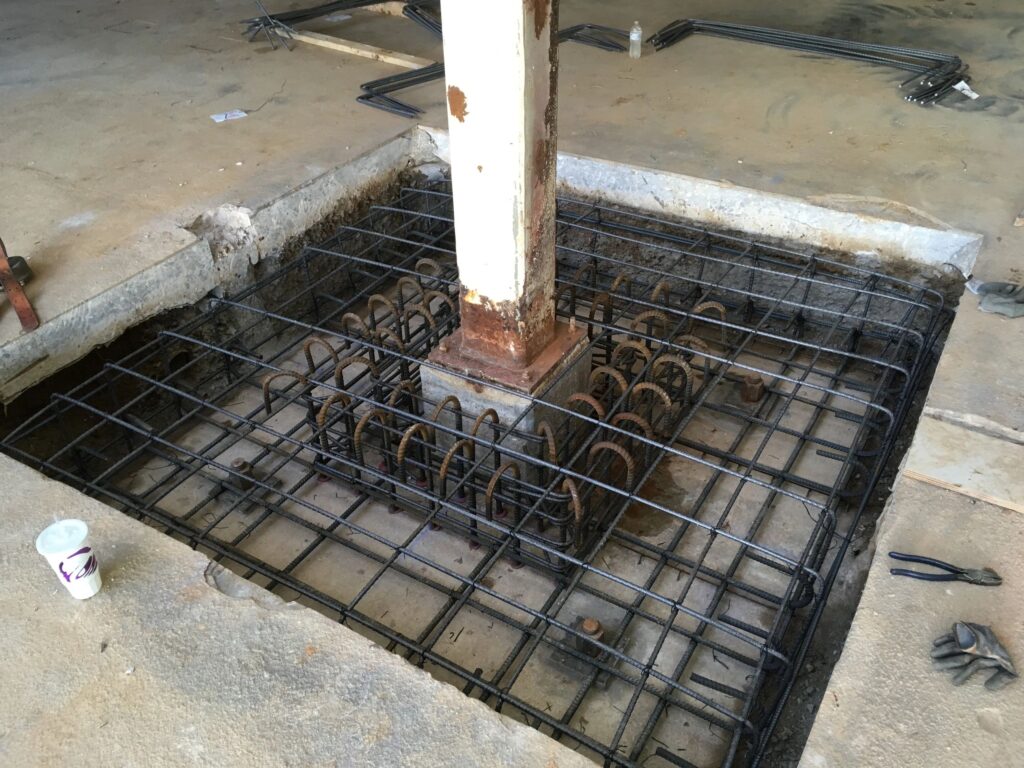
(885, 705)
(112, 153)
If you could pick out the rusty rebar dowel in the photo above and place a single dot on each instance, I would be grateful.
(352, 317)
(345, 362)
(608, 372)
(321, 417)
(630, 346)
(569, 486)
(584, 397)
(386, 336)
(456, 407)
(508, 466)
(650, 315)
(417, 287)
(544, 430)
(417, 309)
(662, 286)
(426, 432)
(676, 360)
(389, 305)
(268, 380)
(648, 386)
(715, 305)
(307, 349)
(490, 415)
(622, 453)
(429, 296)
(409, 389)
(467, 447)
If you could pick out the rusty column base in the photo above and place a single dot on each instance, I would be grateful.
(566, 344)
(510, 392)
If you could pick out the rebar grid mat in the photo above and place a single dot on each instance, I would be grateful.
(681, 520)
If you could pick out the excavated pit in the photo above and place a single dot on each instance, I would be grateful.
(640, 581)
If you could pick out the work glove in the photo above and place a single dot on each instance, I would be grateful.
(970, 648)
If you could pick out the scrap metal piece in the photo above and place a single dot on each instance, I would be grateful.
(984, 577)
(970, 648)
(13, 274)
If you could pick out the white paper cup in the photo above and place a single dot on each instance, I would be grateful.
(65, 545)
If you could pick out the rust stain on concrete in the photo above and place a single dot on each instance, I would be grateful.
(457, 103)
(540, 9)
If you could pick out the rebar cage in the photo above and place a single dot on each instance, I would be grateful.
(640, 575)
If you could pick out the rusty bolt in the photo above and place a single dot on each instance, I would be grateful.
(524, 376)
(752, 388)
(592, 632)
(246, 475)
(443, 346)
(591, 626)
(572, 323)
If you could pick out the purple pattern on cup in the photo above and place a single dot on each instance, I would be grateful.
(76, 571)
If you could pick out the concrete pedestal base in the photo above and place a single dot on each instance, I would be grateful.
(566, 362)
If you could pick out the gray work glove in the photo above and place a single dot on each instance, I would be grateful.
(970, 648)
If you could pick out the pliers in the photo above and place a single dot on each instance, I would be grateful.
(984, 577)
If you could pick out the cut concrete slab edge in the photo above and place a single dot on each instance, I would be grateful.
(973, 464)
(194, 270)
(762, 214)
(178, 661)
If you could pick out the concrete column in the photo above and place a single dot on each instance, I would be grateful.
(501, 69)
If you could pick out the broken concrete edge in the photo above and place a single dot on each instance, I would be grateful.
(764, 215)
(240, 675)
(180, 279)
(223, 259)
(295, 212)
(219, 260)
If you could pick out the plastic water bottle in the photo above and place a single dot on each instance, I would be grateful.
(636, 40)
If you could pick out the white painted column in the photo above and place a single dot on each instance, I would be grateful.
(501, 70)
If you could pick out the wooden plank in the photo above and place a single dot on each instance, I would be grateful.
(390, 8)
(361, 49)
(961, 460)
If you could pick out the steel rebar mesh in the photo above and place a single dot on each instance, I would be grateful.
(641, 576)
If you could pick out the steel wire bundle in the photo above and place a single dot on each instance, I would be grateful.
(935, 74)
(266, 21)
